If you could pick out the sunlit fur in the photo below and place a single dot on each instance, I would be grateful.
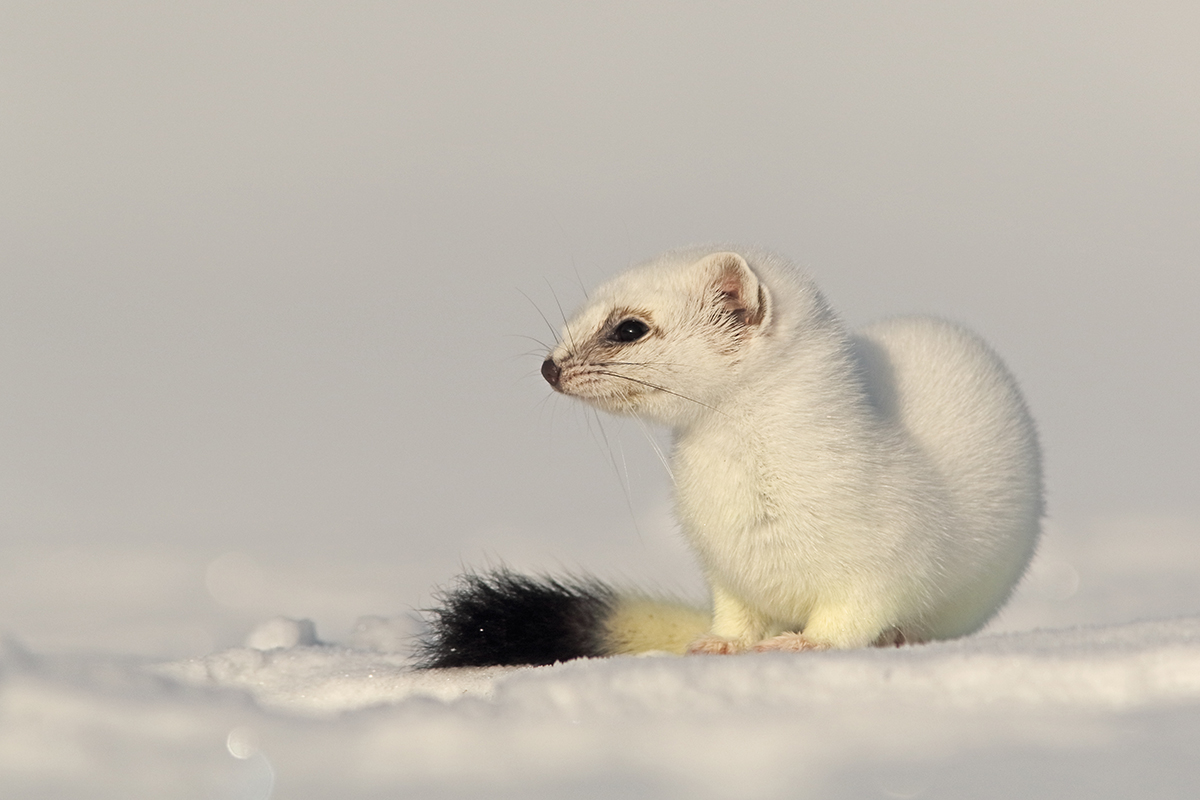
(854, 488)
(643, 624)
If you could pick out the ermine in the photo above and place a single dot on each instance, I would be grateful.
(840, 489)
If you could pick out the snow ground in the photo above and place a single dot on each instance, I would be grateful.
(1081, 710)
(1091, 712)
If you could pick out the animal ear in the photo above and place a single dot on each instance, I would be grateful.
(736, 286)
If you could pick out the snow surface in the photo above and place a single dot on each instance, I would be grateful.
(1104, 711)
(158, 674)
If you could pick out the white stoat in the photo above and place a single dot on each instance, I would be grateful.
(840, 489)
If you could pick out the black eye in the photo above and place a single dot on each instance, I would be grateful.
(629, 330)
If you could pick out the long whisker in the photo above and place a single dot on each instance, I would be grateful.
(561, 313)
(637, 364)
(622, 472)
(553, 332)
(540, 355)
(657, 450)
(612, 374)
(575, 267)
(530, 338)
(543, 403)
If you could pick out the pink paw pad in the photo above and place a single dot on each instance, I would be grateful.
(709, 645)
(788, 643)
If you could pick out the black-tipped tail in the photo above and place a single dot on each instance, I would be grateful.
(504, 619)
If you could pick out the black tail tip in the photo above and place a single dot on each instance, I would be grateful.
(500, 618)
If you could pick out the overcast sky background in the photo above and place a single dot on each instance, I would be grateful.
(268, 272)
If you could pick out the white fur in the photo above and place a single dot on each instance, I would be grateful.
(855, 489)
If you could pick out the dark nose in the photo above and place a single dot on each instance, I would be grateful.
(551, 372)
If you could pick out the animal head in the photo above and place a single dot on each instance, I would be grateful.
(664, 341)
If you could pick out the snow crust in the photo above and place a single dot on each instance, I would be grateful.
(156, 674)
(1103, 711)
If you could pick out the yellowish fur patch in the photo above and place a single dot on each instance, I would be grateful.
(644, 624)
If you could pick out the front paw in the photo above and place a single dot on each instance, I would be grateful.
(713, 645)
(788, 643)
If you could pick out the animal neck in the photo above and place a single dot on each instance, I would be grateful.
(805, 396)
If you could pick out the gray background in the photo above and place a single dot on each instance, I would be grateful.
(268, 276)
